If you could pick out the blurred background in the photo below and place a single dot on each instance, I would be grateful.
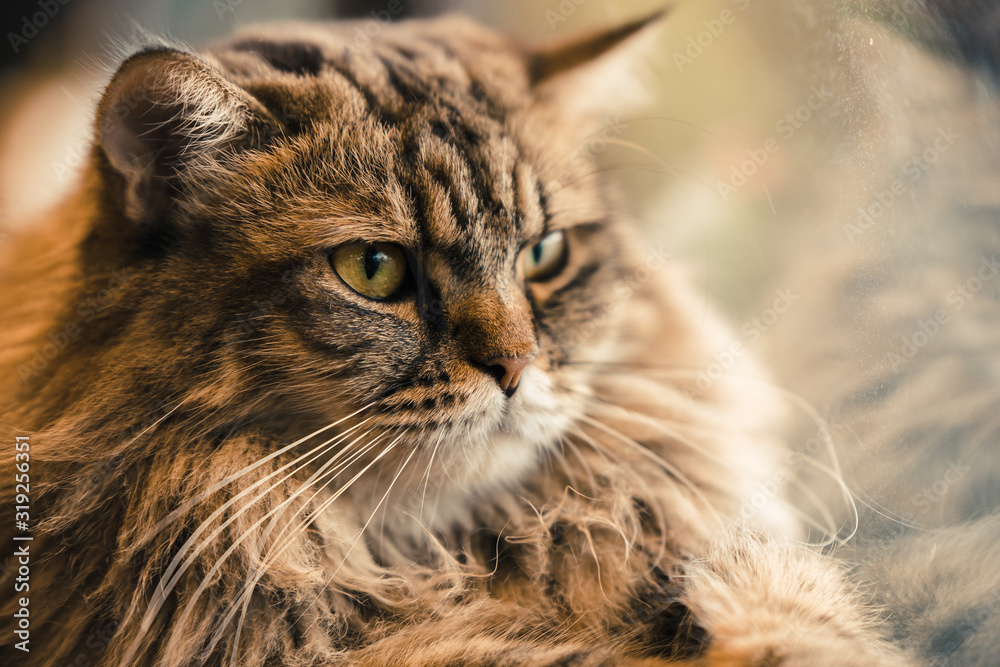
(827, 170)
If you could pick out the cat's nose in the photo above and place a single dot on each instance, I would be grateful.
(496, 333)
(507, 371)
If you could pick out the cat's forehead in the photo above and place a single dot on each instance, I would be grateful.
(418, 139)
(461, 70)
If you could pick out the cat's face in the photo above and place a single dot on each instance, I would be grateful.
(404, 230)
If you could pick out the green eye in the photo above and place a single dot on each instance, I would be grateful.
(374, 270)
(546, 258)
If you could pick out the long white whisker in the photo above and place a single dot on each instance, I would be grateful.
(834, 471)
(243, 602)
(679, 437)
(374, 512)
(327, 476)
(662, 426)
(657, 459)
(189, 608)
(169, 574)
(180, 511)
(583, 461)
(427, 475)
(175, 570)
(597, 447)
(370, 517)
(559, 455)
(248, 588)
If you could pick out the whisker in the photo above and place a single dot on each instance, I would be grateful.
(597, 447)
(661, 425)
(657, 459)
(189, 608)
(565, 443)
(175, 569)
(314, 453)
(833, 471)
(180, 511)
(427, 474)
(385, 495)
(677, 436)
(261, 569)
(830, 529)
(244, 597)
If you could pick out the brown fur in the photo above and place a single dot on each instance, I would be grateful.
(588, 519)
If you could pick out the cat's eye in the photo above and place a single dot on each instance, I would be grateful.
(546, 258)
(374, 270)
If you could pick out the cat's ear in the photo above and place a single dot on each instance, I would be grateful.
(166, 114)
(599, 72)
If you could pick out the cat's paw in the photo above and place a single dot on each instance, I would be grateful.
(766, 604)
(815, 649)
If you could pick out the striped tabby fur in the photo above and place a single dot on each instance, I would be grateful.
(237, 460)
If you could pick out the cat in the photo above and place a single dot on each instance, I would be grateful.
(335, 357)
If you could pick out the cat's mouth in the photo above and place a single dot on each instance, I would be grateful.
(494, 442)
(533, 414)
(515, 430)
(457, 439)
(483, 421)
(448, 459)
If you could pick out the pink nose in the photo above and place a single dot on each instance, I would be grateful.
(507, 371)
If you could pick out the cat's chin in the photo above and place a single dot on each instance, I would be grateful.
(530, 422)
(471, 468)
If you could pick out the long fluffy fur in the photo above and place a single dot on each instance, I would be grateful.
(178, 512)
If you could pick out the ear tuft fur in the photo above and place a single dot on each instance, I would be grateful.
(165, 110)
(597, 72)
(551, 60)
